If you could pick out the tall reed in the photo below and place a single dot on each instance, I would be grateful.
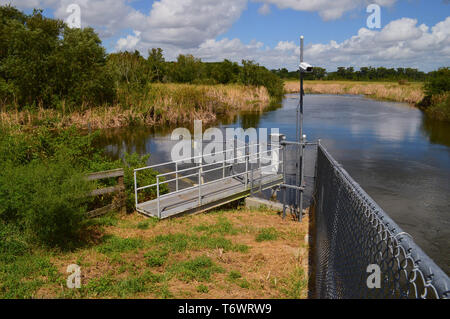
(156, 104)
(411, 93)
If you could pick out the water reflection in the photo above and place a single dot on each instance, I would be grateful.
(437, 131)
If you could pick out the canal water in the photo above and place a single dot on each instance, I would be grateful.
(401, 158)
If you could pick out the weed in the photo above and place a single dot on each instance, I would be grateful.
(234, 274)
(267, 234)
(114, 244)
(202, 288)
(147, 223)
(223, 227)
(156, 258)
(101, 286)
(200, 269)
(295, 285)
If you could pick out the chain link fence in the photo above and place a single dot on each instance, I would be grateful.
(354, 238)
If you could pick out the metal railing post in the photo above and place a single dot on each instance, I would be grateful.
(251, 180)
(135, 189)
(199, 187)
(246, 171)
(157, 194)
(223, 167)
(176, 175)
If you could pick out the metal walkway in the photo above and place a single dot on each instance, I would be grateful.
(201, 183)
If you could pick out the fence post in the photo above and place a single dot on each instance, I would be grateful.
(122, 195)
(284, 181)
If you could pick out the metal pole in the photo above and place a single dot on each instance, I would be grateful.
(199, 187)
(284, 181)
(135, 189)
(157, 194)
(223, 166)
(251, 180)
(302, 147)
(246, 171)
(176, 174)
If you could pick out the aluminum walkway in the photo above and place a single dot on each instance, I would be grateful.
(197, 187)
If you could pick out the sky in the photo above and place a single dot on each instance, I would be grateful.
(411, 33)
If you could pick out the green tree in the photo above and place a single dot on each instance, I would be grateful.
(43, 61)
(187, 69)
(157, 65)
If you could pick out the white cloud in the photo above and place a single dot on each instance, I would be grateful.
(414, 46)
(130, 42)
(192, 26)
(264, 9)
(327, 9)
(401, 42)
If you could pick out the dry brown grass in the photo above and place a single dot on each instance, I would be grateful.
(161, 104)
(269, 269)
(411, 93)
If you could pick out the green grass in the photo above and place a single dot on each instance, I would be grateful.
(146, 224)
(203, 289)
(236, 277)
(267, 234)
(234, 274)
(199, 269)
(114, 244)
(156, 258)
(106, 220)
(295, 284)
(222, 227)
(182, 242)
(23, 275)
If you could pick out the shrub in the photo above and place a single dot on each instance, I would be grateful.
(47, 200)
(438, 83)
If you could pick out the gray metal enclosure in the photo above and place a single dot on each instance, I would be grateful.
(353, 232)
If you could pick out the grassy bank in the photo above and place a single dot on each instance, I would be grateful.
(224, 254)
(411, 93)
(156, 104)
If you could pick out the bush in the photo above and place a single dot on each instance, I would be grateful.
(440, 107)
(438, 83)
(46, 200)
(437, 97)
(256, 75)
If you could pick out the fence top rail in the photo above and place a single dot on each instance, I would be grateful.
(434, 275)
(105, 174)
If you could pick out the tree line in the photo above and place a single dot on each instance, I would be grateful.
(363, 74)
(44, 63)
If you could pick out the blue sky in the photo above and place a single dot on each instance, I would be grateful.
(413, 33)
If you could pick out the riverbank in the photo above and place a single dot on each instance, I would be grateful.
(237, 253)
(156, 104)
(411, 93)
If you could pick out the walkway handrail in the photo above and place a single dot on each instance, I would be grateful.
(199, 156)
(200, 172)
